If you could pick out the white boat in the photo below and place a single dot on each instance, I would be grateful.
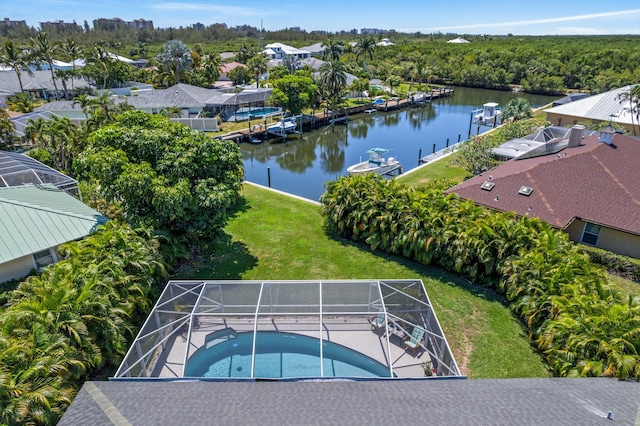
(375, 164)
(418, 98)
(489, 115)
(283, 127)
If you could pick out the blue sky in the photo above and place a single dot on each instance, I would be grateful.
(524, 17)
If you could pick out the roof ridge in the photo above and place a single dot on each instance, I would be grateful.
(49, 209)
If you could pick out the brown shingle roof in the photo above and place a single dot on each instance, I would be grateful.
(596, 182)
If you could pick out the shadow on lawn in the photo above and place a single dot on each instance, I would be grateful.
(223, 259)
(429, 271)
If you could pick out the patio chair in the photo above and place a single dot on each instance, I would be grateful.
(413, 342)
(378, 322)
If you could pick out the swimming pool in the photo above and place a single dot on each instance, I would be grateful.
(244, 114)
(280, 355)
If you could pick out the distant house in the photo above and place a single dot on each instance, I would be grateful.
(590, 190)
(38, 84)
(603, 107)
(278, 50)
(316, 49)
(571, 97)
(458, 40)
(224, 79)
(385, 42)
(34, 221)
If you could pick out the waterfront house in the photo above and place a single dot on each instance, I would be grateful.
(605, 107)
(590, 190)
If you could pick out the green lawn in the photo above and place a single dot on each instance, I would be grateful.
(271, 236)
(624, 285)
(436, 170)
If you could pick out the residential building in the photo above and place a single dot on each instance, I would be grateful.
(611, 106)
(59, 26)
(34, 221)
(500, 402)
(106, 24)
(278, 50)
(13, 24)
(590, 190)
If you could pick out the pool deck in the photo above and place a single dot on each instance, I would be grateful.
(353, 332)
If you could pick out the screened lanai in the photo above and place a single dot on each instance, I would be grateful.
(291, 329)
(19, 169)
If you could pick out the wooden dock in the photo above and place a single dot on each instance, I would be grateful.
(326, 118)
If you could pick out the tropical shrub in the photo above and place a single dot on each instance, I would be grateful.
(581, 325)
(76, 318)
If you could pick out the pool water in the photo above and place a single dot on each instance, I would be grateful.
(253, 113)
(281, 355)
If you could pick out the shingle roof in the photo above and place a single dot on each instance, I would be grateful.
(603, 107)
(442, 402)
(596, 182)
(39, 80)
(34, 218)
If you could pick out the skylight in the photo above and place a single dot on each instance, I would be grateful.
(487, 186)
(525, 190)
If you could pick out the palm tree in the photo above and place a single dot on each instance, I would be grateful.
(348, 50)
(14, 57)
(23, 102)
(44, 50)
(291, 62)
(211, 68)
(175, 58)
(518, 109)
(257, 65)
(365, 47)
(332, 49)
(171, 112)
(632, 97)
(99, 57)
(333, 77)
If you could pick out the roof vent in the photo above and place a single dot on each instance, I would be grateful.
(575, 136)
(525, 190)
(487, 186)
(606, 135)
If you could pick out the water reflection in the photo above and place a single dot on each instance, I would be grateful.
(302, 166)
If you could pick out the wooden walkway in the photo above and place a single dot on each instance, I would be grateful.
(325, 118)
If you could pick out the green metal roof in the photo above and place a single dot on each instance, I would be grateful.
(36, 217)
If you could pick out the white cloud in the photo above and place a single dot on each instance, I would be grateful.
(516, 24)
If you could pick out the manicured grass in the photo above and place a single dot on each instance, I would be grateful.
(625, 286)
(436, 170)
(271, 236)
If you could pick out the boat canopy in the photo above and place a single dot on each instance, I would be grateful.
(377, 151)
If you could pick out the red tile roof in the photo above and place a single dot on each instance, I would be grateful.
(596, 182)
(225, 68)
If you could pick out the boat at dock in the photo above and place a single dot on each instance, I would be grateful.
(489, 115)
(283, 127)
(376, 163)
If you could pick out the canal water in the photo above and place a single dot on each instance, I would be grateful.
(302, 166)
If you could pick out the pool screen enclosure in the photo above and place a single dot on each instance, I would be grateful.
(290, 329)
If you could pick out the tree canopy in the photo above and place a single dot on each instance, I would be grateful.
(294, 93)
(164, 174)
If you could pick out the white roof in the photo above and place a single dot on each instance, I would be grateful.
(58, 63)
(289, 50)
(385, 42)
(603, 107)
(458, 40)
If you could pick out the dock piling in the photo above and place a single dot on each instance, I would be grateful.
(269, 177)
